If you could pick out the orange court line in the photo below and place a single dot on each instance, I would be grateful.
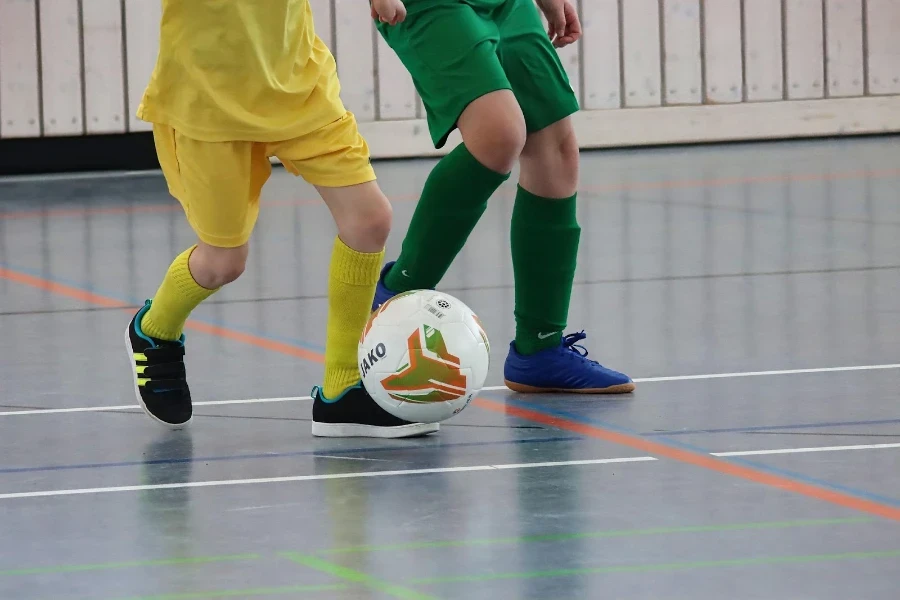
(695, 458)
(588, 430)
(216, 330)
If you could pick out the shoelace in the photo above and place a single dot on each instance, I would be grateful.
(570, 342)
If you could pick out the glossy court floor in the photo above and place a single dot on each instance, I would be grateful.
(752, 290)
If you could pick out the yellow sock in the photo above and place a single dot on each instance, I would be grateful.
(351, 288)
(178, 295)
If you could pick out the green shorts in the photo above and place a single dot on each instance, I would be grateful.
(460, 50)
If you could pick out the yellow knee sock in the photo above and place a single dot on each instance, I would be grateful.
(178, 295)
(351, 288)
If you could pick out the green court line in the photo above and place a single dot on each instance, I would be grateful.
(248, 593)
(563, 537)
(737, 562)
(353, 576)
(190, 560)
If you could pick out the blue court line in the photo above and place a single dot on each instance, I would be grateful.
(677, 444)
(770, 427)
(136, 303)
(266, 455)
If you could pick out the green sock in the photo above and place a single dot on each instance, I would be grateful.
(544, 241)
(454, 198)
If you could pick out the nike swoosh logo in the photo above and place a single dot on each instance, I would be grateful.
(404, 273)
(544, 336)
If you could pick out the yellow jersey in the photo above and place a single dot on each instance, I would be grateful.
(241, 70)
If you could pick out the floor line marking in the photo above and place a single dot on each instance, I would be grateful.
(333, 452)
(51, 411)
(329, 476)
(610, 533)
(692, 457)
(641, 568)
(490, 388)
(159, 562)
(70, 291)
(805, 450)
(353, 576)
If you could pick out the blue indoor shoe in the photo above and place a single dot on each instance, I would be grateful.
(564, 369)
(382, 293)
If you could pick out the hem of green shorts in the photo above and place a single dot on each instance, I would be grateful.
(546, 118)
(549, 118)
(441, 131)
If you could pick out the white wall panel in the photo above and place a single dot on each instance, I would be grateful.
(141, 45)
(321, 10)
(682, 64)
(396, 93)
(19, 83)
(883, 20)
(602, 77)
(104, 72)
(844, 48)
(722, 51)
(355, 58)
(763, 50)
(61, 67)
(805, 50)
(641, 49)
(80, 67)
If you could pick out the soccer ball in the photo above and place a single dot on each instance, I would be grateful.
(423, 356)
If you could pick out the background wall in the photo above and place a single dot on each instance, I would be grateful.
(647, 72)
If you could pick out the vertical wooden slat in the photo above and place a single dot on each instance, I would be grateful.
(722, 48)
(763, 50)
(883, 26)
(19, 85)
(681, 55)
(641, 52)
(142, 43)
(396, 93)
(104, 73)
(356, 64)
(61, 67)
(321, 10)
(844, 48)
(804, 54)
(602, 78)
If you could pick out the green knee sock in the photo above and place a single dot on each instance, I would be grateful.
(544, 241)
(454, 198)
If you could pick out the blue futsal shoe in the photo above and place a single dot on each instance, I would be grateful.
(382, 293)
(563, 369)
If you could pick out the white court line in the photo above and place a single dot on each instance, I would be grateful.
(803, 450)
(53, 411)
(490, 388)
(767, 373)
(359, 475)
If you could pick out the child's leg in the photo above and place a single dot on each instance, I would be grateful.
(218, 185)
(544, 231)
(193, 276)
(335, 159)
(457, 191)
(450, 50)
(363, 218)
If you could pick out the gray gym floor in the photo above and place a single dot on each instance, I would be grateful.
(751, 289)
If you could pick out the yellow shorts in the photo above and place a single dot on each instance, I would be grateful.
(218, 183)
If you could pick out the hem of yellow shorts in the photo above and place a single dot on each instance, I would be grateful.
(341, 180)
(221, 242)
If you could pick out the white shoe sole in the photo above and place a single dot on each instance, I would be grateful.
(137, 388)
(340, 430)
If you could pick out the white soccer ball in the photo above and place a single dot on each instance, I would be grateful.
(423, 356)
